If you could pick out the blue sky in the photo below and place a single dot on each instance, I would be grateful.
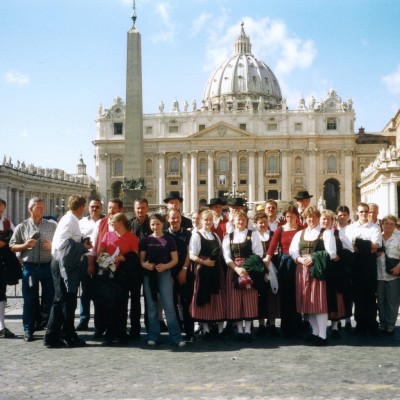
(61, 58)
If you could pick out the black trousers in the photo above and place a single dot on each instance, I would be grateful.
(62, 315)
(135, 313)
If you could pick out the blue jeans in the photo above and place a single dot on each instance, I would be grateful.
(165, 289)
(32, 274)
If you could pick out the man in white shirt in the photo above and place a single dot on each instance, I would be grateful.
(67, 250)
(367, 239)
(87, 225)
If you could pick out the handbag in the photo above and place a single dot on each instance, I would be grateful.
(11, 267)
(390, 263)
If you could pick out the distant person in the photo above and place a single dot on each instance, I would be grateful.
(174, 200)
(303, 200)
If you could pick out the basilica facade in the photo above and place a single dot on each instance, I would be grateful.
(240, 138)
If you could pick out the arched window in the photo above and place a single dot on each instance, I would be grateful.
(332, 164)
(272, 163)
(243, 164)
(203, 166)
(118, 167)
(223, 164)
(149, 167)
(174, 165)
(298, 164)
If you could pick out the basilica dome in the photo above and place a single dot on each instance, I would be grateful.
(242, 82)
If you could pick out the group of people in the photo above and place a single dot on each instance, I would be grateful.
(217, 273)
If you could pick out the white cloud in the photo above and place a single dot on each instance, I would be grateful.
(199, 22)
(15, 77)
(167, 33)
(270, 41)
(392, 81)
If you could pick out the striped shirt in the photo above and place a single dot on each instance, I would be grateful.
(25, 230)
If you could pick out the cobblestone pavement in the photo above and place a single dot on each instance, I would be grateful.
(351, 367)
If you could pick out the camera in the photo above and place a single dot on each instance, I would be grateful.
(35, 236)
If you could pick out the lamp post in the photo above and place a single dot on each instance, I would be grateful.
(235, 193)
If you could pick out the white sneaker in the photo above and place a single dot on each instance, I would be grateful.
(181, 344)
(151, 343)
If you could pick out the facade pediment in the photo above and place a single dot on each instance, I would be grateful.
(222, 130)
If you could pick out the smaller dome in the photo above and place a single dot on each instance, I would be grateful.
(243, 81)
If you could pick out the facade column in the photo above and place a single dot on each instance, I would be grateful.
(22, 211)
(161, 177)
(185, 182)
(348, 178)
(312, 172)
(210, 171)
(234, 168)
(252, 176)
(193, 181)
(260, 177)
(285, 176)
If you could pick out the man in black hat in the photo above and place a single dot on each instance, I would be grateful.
(303, 200)
(220, 220)
(236, 204)
(174, 201)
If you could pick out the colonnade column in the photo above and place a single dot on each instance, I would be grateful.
(210, 180)
(185, 182)
(393, 201)
(252, 178)
(260, 178)
(348, 178)
(193, 181)
(234, 168)
(285, 176)
(161, 177)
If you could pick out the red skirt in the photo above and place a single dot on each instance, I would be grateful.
(242, 304)
(215, 310)
(310, 292)
(341, 311)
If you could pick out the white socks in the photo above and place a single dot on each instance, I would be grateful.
(322, 321)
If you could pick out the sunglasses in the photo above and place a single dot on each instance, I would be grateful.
(96, 207)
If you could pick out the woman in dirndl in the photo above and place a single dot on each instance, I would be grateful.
(336, 308)
(242, 301)
(209, 296)
(268, 300)
(311, 297)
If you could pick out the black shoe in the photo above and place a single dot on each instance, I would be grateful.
(6, 333)
(239, 337)
(207, 337)
(134, 335)
(75, 341)
(310, 338)
(190, 338)
(28, 337)
(247, 338)
(348, 326)
(261, 331)
(82, 326)
(335, 334)
(123, 340)
(318, 341)
(272, 330)
(98, 334)
(229, 329)
(53, 344)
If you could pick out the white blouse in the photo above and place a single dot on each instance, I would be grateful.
(312, 234)
(195, 241)
(392, 249)
(240, 237)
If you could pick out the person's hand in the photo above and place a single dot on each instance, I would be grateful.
(47, 245)
(240, 271)
(396, 270)
(31, 243)
(148, 265)
(88, 245)
(2, 244)
(182, 276)
(161, 267)
(209, 263)
(119, 258)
